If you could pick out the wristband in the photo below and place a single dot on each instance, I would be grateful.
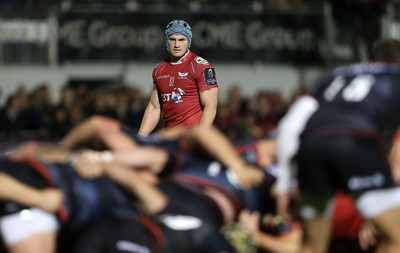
(70, 159)
(106, 156)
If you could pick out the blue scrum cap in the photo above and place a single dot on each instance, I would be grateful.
(179, 27)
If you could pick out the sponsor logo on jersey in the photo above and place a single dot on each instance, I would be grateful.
(175, 95)
(209, 76)
(200, 60)
(364, 182)
(162, 77)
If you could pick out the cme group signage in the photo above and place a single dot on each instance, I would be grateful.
(265, 37)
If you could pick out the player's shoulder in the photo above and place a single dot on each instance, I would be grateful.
(199, 61)
(367, 68)
(161, 65)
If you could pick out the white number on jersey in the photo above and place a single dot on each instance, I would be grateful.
(355, 91)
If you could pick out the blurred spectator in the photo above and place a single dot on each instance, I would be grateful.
(137, 106)
(234, 99)
(34, 113)
(247, 126)
(40, 107)
(60, 123)
(12, 116)
(266, 119)
(226, 122)
(103, 104)
(67, 99)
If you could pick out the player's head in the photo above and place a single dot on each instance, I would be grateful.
(178, 27)
(386, 51)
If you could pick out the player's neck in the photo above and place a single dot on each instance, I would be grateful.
(177, 60)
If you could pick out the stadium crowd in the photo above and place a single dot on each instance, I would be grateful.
(35, 115)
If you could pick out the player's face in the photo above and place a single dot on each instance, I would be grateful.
(177, 46)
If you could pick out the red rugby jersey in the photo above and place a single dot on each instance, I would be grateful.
(178, 86)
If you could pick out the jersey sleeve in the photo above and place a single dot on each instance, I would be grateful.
(204, 74)
(153, 75)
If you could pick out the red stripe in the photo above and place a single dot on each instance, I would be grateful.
(62, 213)
(178, 163)
(155, 231)
(253, 145)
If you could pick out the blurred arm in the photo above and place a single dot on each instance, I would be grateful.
(152, 115)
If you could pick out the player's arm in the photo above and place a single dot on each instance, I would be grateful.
(216, 144)
(44, 151)
(289, 130)
(105, 129)
(288, 242)
(394, 157)
(90, 164)
(151, 158)
(141, 184)
(151, 115)
(209, 102)
(13, 190)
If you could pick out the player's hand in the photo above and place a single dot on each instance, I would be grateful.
(50, 199)
(250, 220)
(89, 164)
(367, 236)
(249, 176)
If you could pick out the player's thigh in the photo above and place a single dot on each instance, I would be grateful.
(44, 242)
(314, 174)
(30, 230)
(388, 224)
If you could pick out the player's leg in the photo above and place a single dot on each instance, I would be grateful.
(39, 243)
(382, 207)
(141, 184)
(316, 215)
(316, 234)
(317, 190)
(29, 231)
(377, 196)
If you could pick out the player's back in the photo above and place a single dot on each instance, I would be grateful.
(356, 99)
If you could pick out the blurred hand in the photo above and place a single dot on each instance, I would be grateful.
(88, 164)
(249, 176)
(367, 236)
(50, 199)
(250, 220)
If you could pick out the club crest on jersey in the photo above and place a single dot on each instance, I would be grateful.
(209, 76)
(200, 60)
(180, 74)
